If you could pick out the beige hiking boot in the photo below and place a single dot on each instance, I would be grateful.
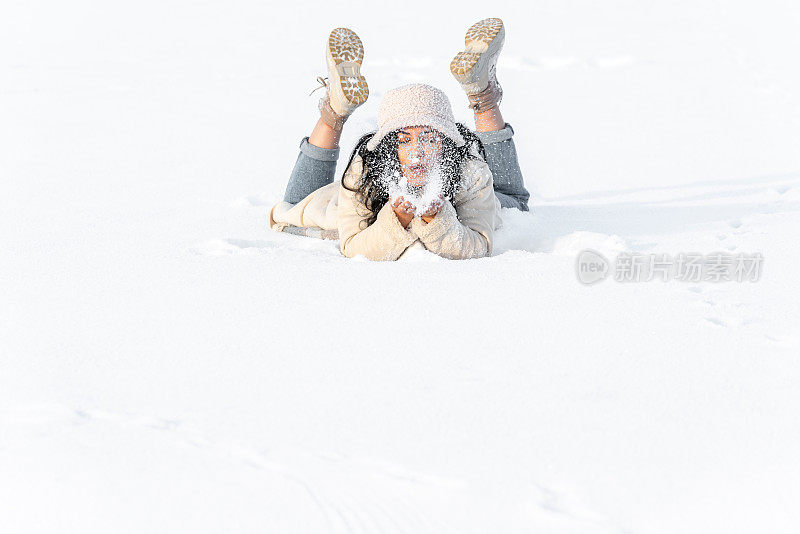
(474, 68)
(346, 87)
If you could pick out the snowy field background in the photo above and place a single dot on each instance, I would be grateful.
(168, 364)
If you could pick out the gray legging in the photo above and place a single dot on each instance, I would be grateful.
(316, 167)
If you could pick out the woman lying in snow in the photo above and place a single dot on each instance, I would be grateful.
(421, 180)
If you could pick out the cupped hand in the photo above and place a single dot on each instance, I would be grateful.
(404, 210)
(431, 212)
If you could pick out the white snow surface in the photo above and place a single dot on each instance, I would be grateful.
(168, 364)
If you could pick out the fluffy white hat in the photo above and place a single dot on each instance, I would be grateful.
(416, 104)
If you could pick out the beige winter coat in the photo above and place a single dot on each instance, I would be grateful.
(462, 229)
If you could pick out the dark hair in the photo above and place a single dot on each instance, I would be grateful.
(371, 190)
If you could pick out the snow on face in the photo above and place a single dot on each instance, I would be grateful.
(421, 197)
(420, 179)
(419, 149)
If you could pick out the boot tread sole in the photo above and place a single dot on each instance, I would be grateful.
(477, 41)
(347, 52)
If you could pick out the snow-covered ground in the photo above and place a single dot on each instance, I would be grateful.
(168, 364)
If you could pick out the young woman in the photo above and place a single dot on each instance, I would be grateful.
(421, 180)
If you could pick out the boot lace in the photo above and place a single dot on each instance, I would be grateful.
(323, 83)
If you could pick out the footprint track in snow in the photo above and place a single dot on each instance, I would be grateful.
(729, 247)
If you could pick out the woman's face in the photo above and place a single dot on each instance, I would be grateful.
(419, 149)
